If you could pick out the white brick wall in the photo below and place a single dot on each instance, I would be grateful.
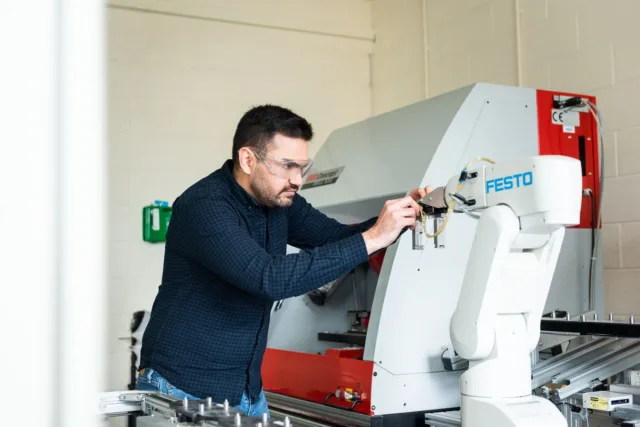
(177, 87)
(591, 46)
(588, 46)
(470, 41)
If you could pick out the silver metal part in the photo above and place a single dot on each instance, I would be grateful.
(161, 410)
(302, 412)
(435, 199)
(443, 419)
(588, 365)
(544, 372)
(438, 241)
(118, 403)
(418, 237)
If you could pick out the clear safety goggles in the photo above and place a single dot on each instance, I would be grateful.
(285, 168)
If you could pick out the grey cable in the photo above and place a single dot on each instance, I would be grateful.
(599, 216)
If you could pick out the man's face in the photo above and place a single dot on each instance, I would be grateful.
(278, 174)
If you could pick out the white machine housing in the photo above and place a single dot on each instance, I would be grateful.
(526, 205)
(416, 293)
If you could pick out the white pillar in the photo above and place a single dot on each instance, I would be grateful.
(52, 209)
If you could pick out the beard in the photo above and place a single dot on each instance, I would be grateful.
(271, 197)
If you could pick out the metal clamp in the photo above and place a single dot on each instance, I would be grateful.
(326, 402)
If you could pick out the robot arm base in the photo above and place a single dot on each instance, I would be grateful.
(526, 411)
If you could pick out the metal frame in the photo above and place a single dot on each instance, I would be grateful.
(602, 367)
(306, 411)
(590, 327)
(544, 372)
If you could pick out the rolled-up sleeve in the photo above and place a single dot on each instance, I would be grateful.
(211, 234)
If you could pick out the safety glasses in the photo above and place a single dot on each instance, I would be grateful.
(285, 168)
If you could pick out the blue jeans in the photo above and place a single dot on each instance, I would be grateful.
(151, 380)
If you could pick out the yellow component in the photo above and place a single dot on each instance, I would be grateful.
(451, 202)
(552, 386)
(598, 402)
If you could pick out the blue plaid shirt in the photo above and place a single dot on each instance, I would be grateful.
(225, 265)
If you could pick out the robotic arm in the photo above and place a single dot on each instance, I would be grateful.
(522, 208)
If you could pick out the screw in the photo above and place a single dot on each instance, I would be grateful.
(583, 318)
(631, 319)
(375, 374)
(237, 420)
(373, 407)
(610, 317)
(568, 316)
(185, 403)
(595, 316)
(202, 409)
(209, 402)
(264, 419)
(287, 422)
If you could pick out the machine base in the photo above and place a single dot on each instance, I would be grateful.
(304, 411)
(529, 411)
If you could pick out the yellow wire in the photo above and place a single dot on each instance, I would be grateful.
(452, 202)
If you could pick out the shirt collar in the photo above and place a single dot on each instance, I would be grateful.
(236, 189)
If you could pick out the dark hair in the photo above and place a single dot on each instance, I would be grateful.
(259, 125)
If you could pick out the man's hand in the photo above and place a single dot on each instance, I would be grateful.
(395, 216)
(418, 193)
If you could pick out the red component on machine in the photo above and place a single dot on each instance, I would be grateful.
(375, 261)
(339, 377)
(574, 139)
(335, 378)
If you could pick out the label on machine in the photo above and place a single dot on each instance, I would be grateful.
(565, 117)
(317, 179)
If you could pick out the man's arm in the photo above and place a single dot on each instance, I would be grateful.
(310, 228)
(210, 234)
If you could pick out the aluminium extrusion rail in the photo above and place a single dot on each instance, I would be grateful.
(605, 365)
(544, 372)
(322, 414)
(443, 419)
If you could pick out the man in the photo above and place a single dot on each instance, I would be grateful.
(226, 264)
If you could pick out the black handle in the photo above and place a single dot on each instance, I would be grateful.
(582, 149)
(326, 402)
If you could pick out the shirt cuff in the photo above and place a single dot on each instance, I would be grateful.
(354, 250)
